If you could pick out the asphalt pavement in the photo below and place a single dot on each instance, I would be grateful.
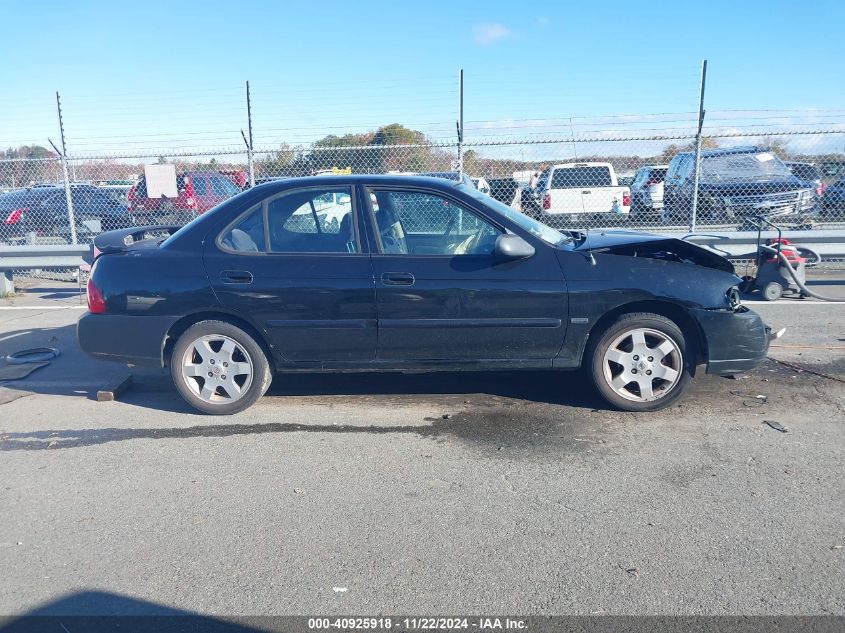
(424, 493)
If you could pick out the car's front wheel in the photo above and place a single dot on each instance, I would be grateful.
(641, 362)
(218, 368)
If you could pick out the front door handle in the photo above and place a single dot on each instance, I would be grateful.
(236, 277)
(397, 279)
(587, 191)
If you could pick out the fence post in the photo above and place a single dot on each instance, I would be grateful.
(697, 166)
(249, 146)
(63, 154)
(460, 122)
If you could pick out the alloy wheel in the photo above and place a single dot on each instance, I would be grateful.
(643, 364)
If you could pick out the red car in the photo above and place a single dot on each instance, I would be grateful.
(198, 192)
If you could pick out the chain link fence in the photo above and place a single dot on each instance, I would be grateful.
(635, 181)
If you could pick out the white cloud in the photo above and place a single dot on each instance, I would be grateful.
(489, 33)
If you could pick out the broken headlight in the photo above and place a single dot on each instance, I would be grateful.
(733, 298)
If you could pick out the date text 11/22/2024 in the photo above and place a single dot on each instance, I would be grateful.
(417, 623)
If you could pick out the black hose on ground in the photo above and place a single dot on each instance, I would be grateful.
(794, 276)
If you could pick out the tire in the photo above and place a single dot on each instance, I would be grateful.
(226, 346)
(773, 291)
(621, 341)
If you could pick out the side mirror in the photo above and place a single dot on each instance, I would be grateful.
(512, 247)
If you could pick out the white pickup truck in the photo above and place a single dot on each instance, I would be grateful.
(572, 190)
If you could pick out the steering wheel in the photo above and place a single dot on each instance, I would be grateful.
(469, 244)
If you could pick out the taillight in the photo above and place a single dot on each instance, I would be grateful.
(15, 215)
(651, 181)
(626, 199)
(189, 188)
(820, 189)
(96, 303)
(547, 201)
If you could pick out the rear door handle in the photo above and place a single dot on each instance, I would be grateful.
(397, 279)
(236, 277)
(587, 191)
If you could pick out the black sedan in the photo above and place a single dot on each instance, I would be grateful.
(341, 273)
(43, 211)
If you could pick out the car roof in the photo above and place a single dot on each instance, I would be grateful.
(577, 164)
(431, 182)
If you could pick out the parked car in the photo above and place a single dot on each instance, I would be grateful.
(832, 171)
(447, 175)
(736, 183)
(239, 177)
(481, 184)
(571, 191)
(261, 288)
(810, 174)
(504, 189)
(647, 190)
(43, 211)
(198, 191)
(833, 201)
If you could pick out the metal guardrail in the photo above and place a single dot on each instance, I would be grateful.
(830, 244)
(52, 256)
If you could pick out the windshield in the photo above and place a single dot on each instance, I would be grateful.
(541, 231)
(734, 167)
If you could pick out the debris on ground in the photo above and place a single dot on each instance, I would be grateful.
(836, 547)
(33, 355)
(777, 426)
(111, 391)
(340, 589)
(299, 491)
(751, 399)
(633, 572)
(18, 371)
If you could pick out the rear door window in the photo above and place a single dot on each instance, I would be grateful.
(302, 222)
(247, 234)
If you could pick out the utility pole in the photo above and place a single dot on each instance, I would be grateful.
(248, 141)
(460, 122)
(63, 154)
(694, 210)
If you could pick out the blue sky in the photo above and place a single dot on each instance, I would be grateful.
(140, 75)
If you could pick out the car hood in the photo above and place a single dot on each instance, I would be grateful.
(651, 246)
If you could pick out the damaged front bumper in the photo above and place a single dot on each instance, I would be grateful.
(736, 339)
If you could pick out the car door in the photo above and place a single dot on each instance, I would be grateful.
(307, 283)
(442, 295)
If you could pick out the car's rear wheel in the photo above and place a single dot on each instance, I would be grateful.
(218, 368)
(641, 362)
